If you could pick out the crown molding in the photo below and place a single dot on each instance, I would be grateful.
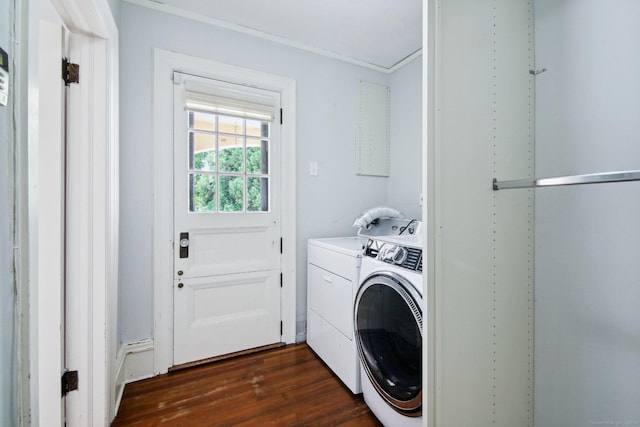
(156, 5)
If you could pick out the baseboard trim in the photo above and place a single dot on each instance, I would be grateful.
(119, 380)
(134, 363)
(301, 328)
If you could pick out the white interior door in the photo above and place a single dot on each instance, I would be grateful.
(227, 238)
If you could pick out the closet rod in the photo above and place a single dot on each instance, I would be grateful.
(593, 178)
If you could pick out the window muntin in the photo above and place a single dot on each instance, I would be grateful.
(228, 163)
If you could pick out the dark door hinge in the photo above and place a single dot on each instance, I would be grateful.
(281, 279)
(281, 327)
(70, 72)
(281, 245)
(281, 116)
(69, 382)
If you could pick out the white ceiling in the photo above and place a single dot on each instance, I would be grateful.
(379, 34)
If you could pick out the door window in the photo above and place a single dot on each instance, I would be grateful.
(228, 160)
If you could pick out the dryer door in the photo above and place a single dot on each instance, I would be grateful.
(388, 326)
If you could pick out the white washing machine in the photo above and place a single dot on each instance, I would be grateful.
(388, 327)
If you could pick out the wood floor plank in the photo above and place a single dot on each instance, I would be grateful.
(287, 386)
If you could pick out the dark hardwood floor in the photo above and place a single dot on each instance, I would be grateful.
(287, 386)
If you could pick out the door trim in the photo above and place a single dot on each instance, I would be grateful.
(165, 63)
(47, 234)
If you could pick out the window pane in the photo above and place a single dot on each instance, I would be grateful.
(202, 193)
(257, 156)
(257, 194)
(202, 121)
(257, 128)
(202, 151)
(231, 192)
(228, 124)
(230, 154)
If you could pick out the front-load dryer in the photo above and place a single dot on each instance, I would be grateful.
(388, 329)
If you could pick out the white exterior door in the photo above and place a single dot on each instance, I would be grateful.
(227, 230)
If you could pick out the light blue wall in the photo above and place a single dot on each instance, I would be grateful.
(587, 329)
(404, 185)
(7, 295)
(114, 5)
(327, 96)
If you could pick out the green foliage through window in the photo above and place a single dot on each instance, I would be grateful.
(204, 193)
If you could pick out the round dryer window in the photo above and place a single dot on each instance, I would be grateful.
(388, 324)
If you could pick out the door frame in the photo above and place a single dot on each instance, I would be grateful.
(165, 63)
(47, 236)
(94, 277)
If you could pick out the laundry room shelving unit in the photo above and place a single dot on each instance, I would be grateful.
(479, 125)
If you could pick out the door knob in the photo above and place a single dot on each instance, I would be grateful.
(180, 272)
(180, 285)
(184, 245)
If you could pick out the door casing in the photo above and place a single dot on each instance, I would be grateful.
(47, 231)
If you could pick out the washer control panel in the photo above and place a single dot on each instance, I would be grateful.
(406, 257)
(393, 254)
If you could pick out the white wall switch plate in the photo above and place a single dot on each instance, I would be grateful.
(313, 168)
